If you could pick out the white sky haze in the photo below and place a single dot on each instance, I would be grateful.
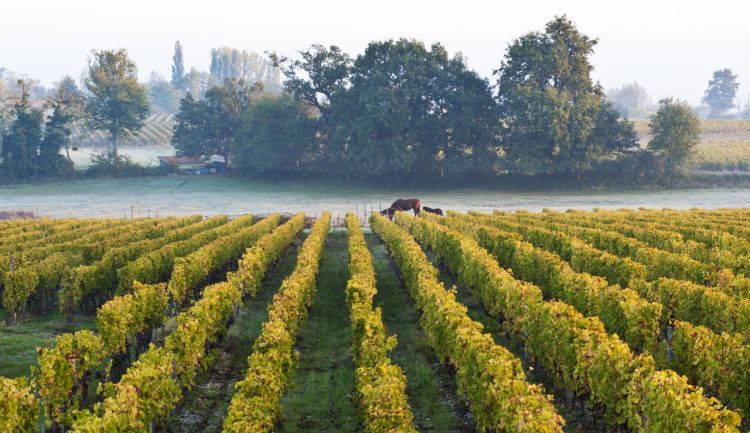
(670, 47)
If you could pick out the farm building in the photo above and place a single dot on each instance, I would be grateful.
(194, 165)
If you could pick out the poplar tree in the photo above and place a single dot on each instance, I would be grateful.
(178, 68)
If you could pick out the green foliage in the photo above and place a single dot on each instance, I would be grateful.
(315, 79)
(100, 278)
(256, 404)
(146, 391)
(18, 154)
(19, 409)
(380, 383)
(576, 350)
(721, 91)
(717, 362)
(675, 129)
(67, 106)
(550, 105)
(206, 127)
(277, 136)
(621, 310)
(152, 387)
(256, 259)
(403, 114)
(65, 373)
(122, 318)
(116, 101)
(190, 271)
(156, 266)
(488, 376)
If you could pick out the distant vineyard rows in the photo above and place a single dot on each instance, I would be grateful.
(157, 131)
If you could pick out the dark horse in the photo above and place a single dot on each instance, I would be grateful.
(403, 205)
(436, 211)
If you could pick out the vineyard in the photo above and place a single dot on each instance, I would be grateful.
(157, 131)
(576, 321)
(724, 145)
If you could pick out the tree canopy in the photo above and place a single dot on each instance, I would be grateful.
(675, 129)
(117, 102)
(207, 126)
(21, 143)
(417, 111)
(30, 149)
(721, 91)
(277, 136)
(548, 101)
(317, 76)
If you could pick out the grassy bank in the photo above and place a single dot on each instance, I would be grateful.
(18, 343)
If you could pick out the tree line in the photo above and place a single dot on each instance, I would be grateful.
(36, 124)
(404, 110)
(720, 99)
(399, 110)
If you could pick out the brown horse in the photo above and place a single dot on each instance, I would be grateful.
(436, 211)
(403, 205)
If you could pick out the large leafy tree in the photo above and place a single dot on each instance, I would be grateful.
(675, 129)
(116, 102)
(549, 102)
(413, 110)
(721, 91)
(207, 126)
(21, 143)
(317, 76)
(277, 136)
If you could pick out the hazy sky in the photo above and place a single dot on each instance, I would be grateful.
(671, 47)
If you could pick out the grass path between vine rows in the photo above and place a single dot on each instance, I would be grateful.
(322, 397)
(205, 406)
(431, 386)
(18, 343)
(578, 417)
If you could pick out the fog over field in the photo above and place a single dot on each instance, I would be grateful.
(670, 47)
(211, 196)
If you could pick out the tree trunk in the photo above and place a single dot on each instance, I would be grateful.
(115, 136)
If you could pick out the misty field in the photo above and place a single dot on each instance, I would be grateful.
(210, 195)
